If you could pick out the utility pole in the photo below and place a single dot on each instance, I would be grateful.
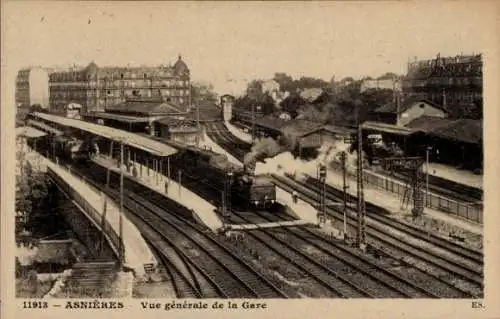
(253, 122)
(121, 207)
(361, 236)
(343, 159)
(427, 150)
(322, 194)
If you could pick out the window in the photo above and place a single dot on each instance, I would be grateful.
(121, 75)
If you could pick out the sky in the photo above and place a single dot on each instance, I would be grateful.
(228, 44)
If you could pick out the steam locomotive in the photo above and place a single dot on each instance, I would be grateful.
(72, 148)
(247, 190)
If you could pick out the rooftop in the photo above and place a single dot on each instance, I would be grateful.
(146, 106)
(404, 105)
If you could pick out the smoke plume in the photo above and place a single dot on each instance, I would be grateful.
(266, 148)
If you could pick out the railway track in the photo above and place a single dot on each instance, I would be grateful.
(379, 214)
(380, 276)
(228, 275)
(442, 187)
(381, 238)
(358, 272)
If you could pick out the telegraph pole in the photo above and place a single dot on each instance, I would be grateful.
(361, 236)
(322, 194)
(343, 158)
(253, 122)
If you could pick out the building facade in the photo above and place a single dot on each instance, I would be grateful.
(32, 87)
(381, 84)
(95, 88)
(453, 82)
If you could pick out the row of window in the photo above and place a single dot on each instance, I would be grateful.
(145, 83)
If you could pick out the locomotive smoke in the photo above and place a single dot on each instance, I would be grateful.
(266, 149)
(285, 162)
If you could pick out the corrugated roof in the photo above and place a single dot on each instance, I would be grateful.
(134, 140)
(404, 105)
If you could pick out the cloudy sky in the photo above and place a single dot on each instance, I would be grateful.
(227, 43)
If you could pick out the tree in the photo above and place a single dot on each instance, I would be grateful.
(285, 81)
(291, 104)
(31, 192)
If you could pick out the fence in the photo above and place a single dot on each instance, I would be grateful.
(88, 209)
(467, 211)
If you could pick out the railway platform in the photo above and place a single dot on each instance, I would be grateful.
(238, 132)
(267, 225)
(393, 203)
(137, 252)
(203, 210)
(208, 143)
(459, 176)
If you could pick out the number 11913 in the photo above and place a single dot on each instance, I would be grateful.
(35, 304)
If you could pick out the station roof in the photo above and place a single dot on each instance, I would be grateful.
(44, 127)
(462, 130)
(134, 140)
(29, 132)
(124, 118)
(146, 107)
(338, 129)
(387, 128)
(427, 124)
(404, 105)
(300, 127)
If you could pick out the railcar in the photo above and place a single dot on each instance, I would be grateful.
(246, 189)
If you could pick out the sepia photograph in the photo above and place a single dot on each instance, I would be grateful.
(244, 150)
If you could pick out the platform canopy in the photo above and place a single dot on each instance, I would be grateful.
(44, 127)
(134, 140)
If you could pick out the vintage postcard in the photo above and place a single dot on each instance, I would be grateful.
(226, 159)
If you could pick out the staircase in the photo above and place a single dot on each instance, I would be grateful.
(92, 279)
